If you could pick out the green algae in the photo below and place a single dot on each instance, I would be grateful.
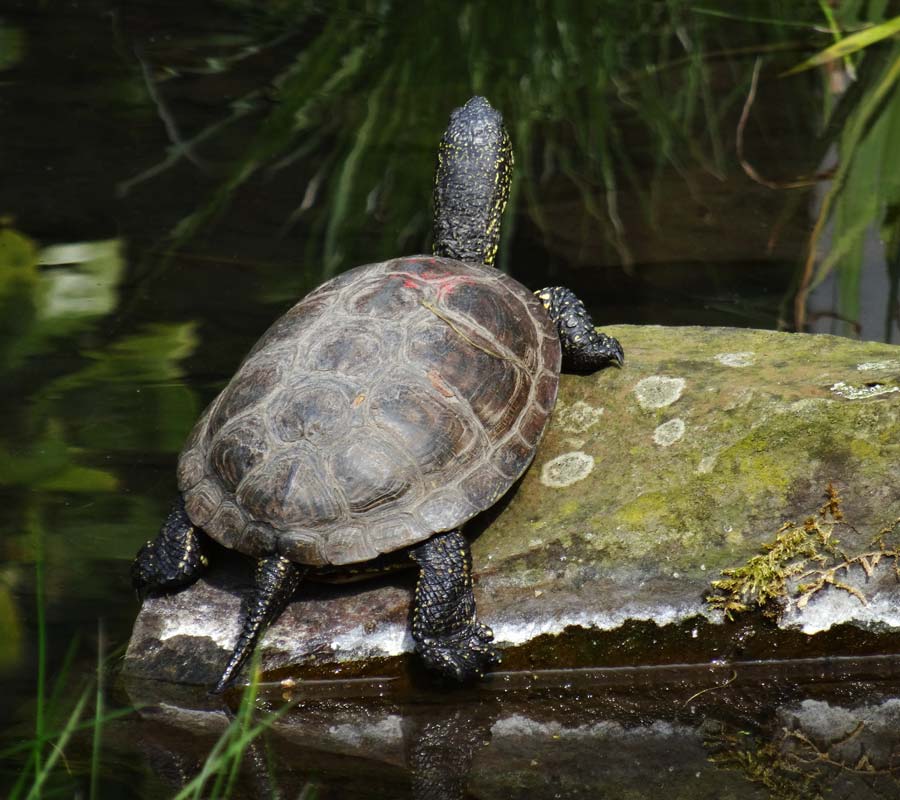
(763, 434)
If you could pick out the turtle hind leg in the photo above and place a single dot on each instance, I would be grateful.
(173, 559)
(583, 348)
(447, 634)
(276, 580)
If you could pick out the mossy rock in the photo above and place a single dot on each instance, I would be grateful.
(650, 481)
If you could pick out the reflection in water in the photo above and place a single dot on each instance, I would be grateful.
(441, 747)
(817, 749)
(577, 739)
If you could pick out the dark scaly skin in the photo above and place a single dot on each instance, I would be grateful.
(583, 348)
(471, 184)
(276, 581)
(172, 560)
(447, 634)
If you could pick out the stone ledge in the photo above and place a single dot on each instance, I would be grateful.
(650, 480)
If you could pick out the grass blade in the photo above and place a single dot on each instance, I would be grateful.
(46, 768)
(850, 44)
(856, 130)
(98, 716)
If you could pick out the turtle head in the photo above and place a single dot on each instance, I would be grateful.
(471, 183)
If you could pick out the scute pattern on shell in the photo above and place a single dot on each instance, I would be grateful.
(397, 400)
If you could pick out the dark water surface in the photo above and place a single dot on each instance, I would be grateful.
(175, 175)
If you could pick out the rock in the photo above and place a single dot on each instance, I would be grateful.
(650, 481)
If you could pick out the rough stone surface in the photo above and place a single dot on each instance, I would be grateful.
(650, 480)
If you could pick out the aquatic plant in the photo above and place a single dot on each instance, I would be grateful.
(597, 96)
(218, 775)
(62, 719)
(57, 718)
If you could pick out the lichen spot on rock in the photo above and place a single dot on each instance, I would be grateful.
(567, 469)
(746, 359)
(879, 366)
(657, 391)
(849, 392)
(579, 417)
(669, 432)
(706, 464)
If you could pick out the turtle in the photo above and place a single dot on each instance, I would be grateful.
(381, 413)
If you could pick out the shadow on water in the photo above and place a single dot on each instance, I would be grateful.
(206, 164)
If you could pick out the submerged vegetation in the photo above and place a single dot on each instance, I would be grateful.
(801, 561)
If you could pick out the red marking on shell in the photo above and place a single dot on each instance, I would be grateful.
(443, 283)
(451, 283)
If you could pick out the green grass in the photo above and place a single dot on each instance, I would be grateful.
(361, 107)
(218, 776)
(73, 708)
(864, 193)
(58, 722)
(606, 99)
(850, 44)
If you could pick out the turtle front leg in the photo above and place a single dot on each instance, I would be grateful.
(173, 559)
(448, 637)
(276, 580)
(583, 349)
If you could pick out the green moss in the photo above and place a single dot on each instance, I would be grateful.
(863, 450)
(798, 563)
(568, 508)
(647, 511)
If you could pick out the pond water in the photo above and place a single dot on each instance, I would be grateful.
(177, 175)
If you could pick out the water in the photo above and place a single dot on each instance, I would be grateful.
(175, 176)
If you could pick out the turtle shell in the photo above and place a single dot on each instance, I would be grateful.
(395, 401)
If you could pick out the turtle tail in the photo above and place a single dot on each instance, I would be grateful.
(276, 580)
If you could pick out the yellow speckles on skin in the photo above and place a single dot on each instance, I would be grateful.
(472, 184)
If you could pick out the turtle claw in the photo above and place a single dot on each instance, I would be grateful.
(462, 656)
